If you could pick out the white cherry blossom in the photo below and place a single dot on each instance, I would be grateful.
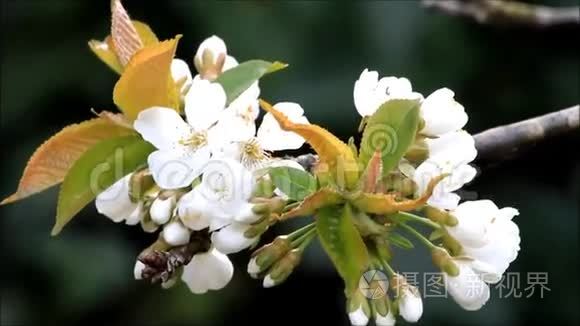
(184, 147)
(162, 209)
(441, 114)
(369, 92)
(448, 154)
(501, 241)
(116, 204)
(468, 288)
(210, 270)
(410, 303)
(176, 234)
(181, 74)
(358, 317)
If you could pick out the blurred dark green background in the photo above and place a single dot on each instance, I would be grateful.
(51, 79)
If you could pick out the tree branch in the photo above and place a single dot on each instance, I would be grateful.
(504, 142)
(506, 13)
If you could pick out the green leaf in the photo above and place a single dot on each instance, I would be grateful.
(96, 170)
(400, 241)
(343, 244)
(391, 130)
(294, 183)
(236, 80)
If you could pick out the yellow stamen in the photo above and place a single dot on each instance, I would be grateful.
(196, 140)
(252, 154)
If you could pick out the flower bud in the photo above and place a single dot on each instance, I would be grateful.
(136, 215)
(408, 298)
(383, 312)
(282, 268)
(210, 58)
(175, 234)
(192, 209)
(443, 260)
(359, 310)
(439, 216)
(452, 245)
(264, 257)
(162, 209)
(181, 75)
(257, 229)
(264, 188)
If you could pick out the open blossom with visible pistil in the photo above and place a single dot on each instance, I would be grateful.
(253, 150)
(183, 148)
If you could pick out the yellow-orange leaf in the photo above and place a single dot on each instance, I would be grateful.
(145, 32)
(388, 204)
(123, 33)
(331, 150)
(52, 160)
(322, 198)
(105, 50)
(147, 80)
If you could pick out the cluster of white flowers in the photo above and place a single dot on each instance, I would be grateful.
(207, 164)
(217, 152)
(485, 238)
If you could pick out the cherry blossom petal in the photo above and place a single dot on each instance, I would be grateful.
(210, 270)
(181, 74)
(192, 210)
(441, 113)
(173, 169)
(204, 103)
(162, 127)
(272, 138)
(231, 239)
(467, 288)
(115, 202)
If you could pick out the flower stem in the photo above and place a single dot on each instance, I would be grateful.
(419, 219)
(418, 235)
(298, 233)
(390, 271)
(291, 206)
(302, 242)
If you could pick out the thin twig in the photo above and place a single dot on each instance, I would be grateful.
(505, 142)
(507, 13)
